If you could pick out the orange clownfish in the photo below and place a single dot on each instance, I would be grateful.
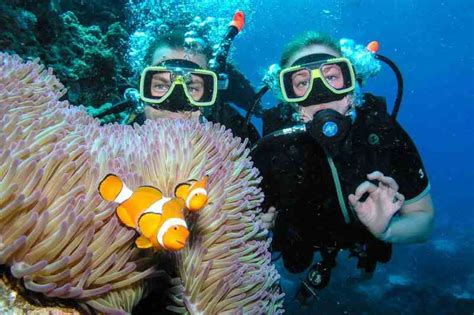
(193, 193)
(159, 220)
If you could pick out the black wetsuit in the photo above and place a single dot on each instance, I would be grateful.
(310, 185)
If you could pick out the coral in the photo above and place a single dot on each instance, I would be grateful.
(61, 240)
(89, 46)
(12, 302)
(88, 60)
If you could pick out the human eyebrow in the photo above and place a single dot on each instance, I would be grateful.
(160, 79)
(328, 68)
(300, 74)
(196, 81)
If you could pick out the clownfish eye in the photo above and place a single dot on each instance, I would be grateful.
(175, 228)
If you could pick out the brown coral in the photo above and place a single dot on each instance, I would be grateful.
(65, 242)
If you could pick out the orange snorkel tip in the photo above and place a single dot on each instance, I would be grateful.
(238, 20)
(373, 46)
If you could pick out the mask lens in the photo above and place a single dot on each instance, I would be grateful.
(159, 84)
(156, 84)
(318, 81)
(337, 75)
(200, 87)
(297, 83)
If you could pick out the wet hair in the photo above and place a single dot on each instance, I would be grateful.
(305, 40)
(175, 39)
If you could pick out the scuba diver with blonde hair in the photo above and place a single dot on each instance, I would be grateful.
(340, 170)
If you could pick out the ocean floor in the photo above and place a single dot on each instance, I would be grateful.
(432, 278)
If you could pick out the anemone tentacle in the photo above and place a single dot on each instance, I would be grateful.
(63, 241)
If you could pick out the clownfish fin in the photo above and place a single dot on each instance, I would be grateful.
(143, 242)
(124, 216)
(149, 223)
(149, 190)
(110, 187)
(182, 190)
(199, 184)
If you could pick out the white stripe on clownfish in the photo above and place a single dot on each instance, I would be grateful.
(193, 193)
(166, 225)
(125, 193)
(157, 207)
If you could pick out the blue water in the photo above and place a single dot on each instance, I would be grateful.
(431, 42)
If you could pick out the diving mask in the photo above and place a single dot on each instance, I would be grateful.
(316, 79)
(178, 81)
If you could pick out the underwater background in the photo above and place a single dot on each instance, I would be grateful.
(88, 45)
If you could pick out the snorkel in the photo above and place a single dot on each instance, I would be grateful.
(219, 63)
(374, 47)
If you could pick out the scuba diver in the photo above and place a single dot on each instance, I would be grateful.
(189, 82)
(342, 175)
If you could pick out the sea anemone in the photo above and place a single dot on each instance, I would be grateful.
(57, 235)
(61, 240)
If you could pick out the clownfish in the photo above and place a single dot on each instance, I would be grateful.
(158, 220)
(193, 193)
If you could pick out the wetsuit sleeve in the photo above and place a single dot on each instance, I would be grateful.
(408, 169)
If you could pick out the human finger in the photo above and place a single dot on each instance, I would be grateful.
(376, 175)
(365, 187)
(266, 226)
(399, 197)
(267, 217)
(383, 180)
(353, 200)
(389, 181)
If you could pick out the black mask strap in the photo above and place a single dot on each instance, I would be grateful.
(182, 63)
(312, 58)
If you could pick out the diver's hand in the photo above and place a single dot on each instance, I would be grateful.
(382, 203)
(268, 219)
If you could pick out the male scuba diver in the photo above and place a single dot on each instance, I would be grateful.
(190, 82)
(342, 177)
